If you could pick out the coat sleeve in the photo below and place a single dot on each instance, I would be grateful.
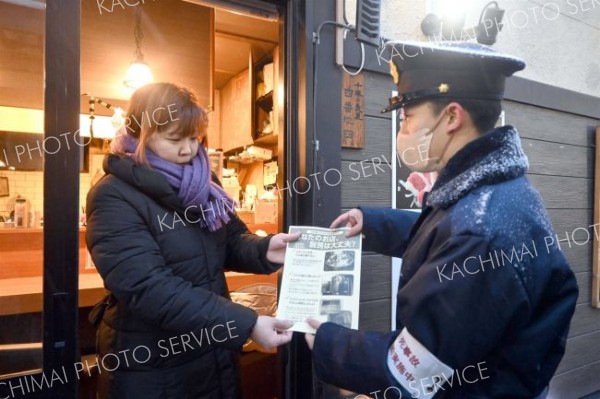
(450, 321)
(247, 252)
(387, 230)
(354, 360)
(131, 264)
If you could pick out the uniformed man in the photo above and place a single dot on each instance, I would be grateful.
(484, 304)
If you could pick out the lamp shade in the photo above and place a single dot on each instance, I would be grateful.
(138, 75)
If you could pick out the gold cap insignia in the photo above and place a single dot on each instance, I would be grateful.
(443, 88)
(394, 73)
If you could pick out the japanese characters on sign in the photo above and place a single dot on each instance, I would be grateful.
(353, 111)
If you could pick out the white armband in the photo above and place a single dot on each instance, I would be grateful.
(415, 368)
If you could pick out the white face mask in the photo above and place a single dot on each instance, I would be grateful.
(415, 149)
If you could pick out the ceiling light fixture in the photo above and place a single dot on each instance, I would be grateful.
(139, 73)
(449, 26)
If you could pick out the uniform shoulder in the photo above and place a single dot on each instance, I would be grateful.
(513, 207)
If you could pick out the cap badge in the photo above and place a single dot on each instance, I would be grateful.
(443, 88)
(394, 73)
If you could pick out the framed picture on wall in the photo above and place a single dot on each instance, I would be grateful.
(4, 192)
(26, 151)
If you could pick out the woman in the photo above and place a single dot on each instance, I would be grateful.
(161, 231)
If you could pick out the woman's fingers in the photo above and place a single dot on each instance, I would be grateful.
(291, 236)
(313, 323)
(282, 325)
(284, 337)
(310, 340)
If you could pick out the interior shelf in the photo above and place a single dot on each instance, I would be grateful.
(265, 102)
(266, 139)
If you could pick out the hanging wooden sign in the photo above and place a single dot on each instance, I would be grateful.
(353, 111)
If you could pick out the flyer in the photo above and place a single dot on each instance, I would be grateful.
(321, 278)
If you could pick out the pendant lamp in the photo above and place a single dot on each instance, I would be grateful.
(139, 73)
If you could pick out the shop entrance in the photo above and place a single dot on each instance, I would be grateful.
(231, 54)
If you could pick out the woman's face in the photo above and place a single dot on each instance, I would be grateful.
(171, 145)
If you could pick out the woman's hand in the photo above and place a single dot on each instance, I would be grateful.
(353, 219)
(277, 245)
(270, 332)
(310, 338)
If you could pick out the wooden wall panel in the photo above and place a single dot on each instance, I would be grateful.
(363, 184)
(375, 315)
(560, 192)
(236, 112)
(214, 123)
(576, 383)
(21, 56)
(176, 46)
(377, 141)
(561, 155)
(586, 320)
(566, 222)
(557, 159)
(358, 189)
(375, 278)
(176, 52)
(584, 282)
(548, 125)
(21, 253)
(378, 91)
(579, 352)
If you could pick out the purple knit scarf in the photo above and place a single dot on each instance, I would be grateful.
(193, 182)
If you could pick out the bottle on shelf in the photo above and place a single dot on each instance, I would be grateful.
(21, 212)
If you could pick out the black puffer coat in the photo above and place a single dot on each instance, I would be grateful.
(169, 330)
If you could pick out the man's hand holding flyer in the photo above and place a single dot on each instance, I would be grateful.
(321, 278)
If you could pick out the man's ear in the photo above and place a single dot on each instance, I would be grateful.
(457, 117)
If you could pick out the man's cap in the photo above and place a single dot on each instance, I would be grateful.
(429, 70)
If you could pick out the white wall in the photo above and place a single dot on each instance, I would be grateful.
(30, 185)
(561, 48)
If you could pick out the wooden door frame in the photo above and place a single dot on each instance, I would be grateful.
(61, 209)
(61, 194)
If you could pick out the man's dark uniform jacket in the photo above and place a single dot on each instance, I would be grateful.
(485, 296)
